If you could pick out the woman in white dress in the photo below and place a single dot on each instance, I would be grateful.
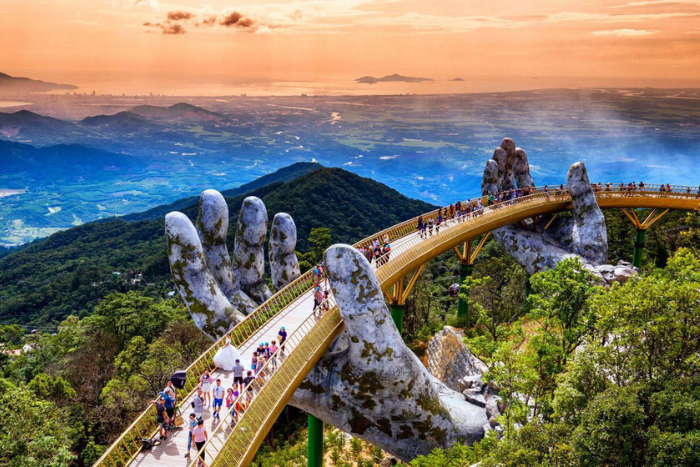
(225, 358)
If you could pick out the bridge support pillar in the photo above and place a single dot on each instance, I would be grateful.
(466, 266)
(397, 315)
(641, 227)
(465, 270)
(397, 297)
(315, 442)
(638, 248)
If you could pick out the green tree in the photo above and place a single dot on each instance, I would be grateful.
(57, 390)
(319, 240)
(33, 433)
(561, 317)
(11, 334)
(612, 430)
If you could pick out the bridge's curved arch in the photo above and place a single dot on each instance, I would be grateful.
(237, 446)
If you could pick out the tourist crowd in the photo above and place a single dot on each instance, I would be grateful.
(211, 394)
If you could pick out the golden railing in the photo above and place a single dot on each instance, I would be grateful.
(272, 389)
(123, 451)
(541, 200)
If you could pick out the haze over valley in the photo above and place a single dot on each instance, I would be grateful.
(71, 159)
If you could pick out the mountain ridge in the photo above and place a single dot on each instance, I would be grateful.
(70, 271)
(22, 84)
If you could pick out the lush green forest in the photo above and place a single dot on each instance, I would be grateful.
(71, 271)
(589, 376)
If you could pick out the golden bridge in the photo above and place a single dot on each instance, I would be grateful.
(310, 335)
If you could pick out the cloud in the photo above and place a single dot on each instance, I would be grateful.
(139, 3)
(388, 158)
(167, 28)
(235, 19)
(626, 32)
(179, 15)
(174, 29)
(657, 2)
(208, 21)
(567, 16)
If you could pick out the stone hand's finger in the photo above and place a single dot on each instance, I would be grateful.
(284, 265)
(248, 251)
(589, 238)
(212, 226)
(356, 289)
(489, 183)
(210, 310)
(507, 177)
(521, 169)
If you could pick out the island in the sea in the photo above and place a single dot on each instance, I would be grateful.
(392, 78)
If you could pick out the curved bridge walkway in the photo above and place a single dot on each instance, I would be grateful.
(310, 335)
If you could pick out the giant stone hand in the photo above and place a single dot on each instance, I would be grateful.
(370, 384)
(535, 248)
(219, 292)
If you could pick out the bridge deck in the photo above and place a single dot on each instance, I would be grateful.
(170, 453)
(408, 252)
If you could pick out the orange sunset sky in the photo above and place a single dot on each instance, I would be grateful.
(277, 45)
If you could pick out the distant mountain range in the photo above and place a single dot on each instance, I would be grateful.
(70, 271)
(180, 111)
(26, 125)
(12, 84)
(72, 160)
(392, 78)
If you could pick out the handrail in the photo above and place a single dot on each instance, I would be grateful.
(268, 372)
(127, 446)
(125, 449)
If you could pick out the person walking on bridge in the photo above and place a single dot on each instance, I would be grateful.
(192, 425)
(205, 384)
(200, 435)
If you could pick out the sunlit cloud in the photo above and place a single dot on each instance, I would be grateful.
(180, 15)
(657, 2)
(571, 16)
(625, 32)
(154, 4)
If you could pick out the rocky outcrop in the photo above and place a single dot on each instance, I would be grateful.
(451, 361)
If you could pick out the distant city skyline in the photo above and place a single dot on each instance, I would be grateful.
(287, 47)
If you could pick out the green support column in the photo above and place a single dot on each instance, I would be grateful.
(528, 286)
(465, 270)
(315, 446)
(638, 248)
(397, 316)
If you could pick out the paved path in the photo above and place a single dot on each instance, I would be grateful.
(171, 451)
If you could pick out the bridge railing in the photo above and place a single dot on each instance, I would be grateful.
(127, 446)
(234, 446)
(253, 411)
(123, 451)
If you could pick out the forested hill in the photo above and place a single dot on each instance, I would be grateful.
(70, 271)
(285, 174)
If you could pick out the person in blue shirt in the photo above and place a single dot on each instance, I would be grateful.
(169, 404)
(218, 398)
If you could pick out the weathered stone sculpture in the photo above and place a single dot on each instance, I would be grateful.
(283, 258)
(582, 235)
(218, 293)
(371, 385)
